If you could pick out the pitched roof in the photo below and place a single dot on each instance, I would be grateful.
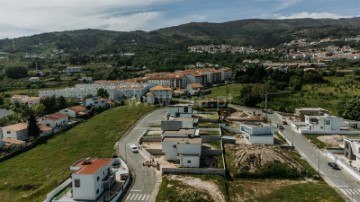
(77, 108)
(93, 166)
(12, 141)
(44, 128)
(16, 127)
(196, 85)
(160, 87)
(55, 116)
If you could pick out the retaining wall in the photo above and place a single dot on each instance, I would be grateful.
(199, 171)
(211, 152)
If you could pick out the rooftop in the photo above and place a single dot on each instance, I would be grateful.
(55, 116)
(91, 166)
(16, 127)
(77, 108)
(181, 132)
(255, 124)
(160, 87)
(183, 140)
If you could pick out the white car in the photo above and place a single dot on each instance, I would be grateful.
(134, 148)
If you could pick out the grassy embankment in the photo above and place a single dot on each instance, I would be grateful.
(33, 174)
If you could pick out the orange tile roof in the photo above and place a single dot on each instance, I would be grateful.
(16, 127)
(160, 87)
(196, 85)
(55, 116)
(44, 128)
(78, 108)
(93, 167)
(12, 141)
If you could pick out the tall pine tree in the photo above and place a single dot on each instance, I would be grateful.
(33, 128)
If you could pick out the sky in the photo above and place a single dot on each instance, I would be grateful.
(28, 17)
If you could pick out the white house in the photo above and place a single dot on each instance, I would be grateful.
(74, 111)
(323, 123)
(180, 110)
(16, 131)
(159, 94)
(24, 99)
(352, 148)
(180, 133)
(54, 120)
(177, 123)
(91, 177)
(96, 102)
(186, 150)
(71, 70)
(300, 113)
(257, 133)
(194, 88)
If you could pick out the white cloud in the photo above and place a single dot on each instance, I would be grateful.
(282, 4)
(312, 15)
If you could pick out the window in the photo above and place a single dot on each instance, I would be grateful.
(77, 183)
(174, 146)
(189, 161)
(98, 178)
(97, 191)
(327, 122)
(186, 109)
(8, 132)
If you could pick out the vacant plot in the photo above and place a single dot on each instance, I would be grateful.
(230, 90)
(33, 174)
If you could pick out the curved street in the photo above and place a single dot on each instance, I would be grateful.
(145, 178)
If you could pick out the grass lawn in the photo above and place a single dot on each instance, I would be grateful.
(33, 174)
(214, 133)
(232, 90)
(208, 125)
(315, 141)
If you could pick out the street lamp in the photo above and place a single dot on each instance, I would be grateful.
(125, 154)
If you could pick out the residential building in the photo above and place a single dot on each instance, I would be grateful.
(34, 79)
(45, 130)
(75, 111)
(323, 123)
(54, 120)
(97, 102)
(257, 133)
(194, 88)
(91, 177)
(71, 70)
(300, 113)
(24, 99)
(177, 123)
(182, 133)
(352, 148)
(16, 131)
(180, 110)
(159, 94)
(185, 150)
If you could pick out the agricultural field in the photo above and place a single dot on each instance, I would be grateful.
(23, 180)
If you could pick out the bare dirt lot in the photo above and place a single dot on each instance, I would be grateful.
(332, 140)
(197, 183)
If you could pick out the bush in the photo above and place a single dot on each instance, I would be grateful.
(276, 170)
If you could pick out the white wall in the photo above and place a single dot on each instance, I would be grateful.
(19, 135)
(169, 150)
(262, 139)
(86, 189)
(189, 161)
(189, 148)
(172, 110)
(68, 112)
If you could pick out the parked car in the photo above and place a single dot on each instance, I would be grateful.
(334, 165)
(280, 127)
(269, 111)
(134, 148)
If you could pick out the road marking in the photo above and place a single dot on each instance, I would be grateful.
(136, 190)
(143, 198)
(128, 197)
(134, 196)
(148, 196)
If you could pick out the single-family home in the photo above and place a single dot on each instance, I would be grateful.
(16, 131)
(180, 133)
(323, 123)
(300, 113)
(71, 70)
(75, 111)
(180, 110)
(177, 123)
(91, 177)
(9, 141)
(352, 148)
(45, 130)
(24, 99)
(194, 88)
(185, 150)
(159, 94)
(34, 79)
(54, 120)
(257, 133)
(97, 102)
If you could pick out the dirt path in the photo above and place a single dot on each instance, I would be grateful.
(197, 183)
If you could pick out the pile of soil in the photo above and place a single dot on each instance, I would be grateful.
(251, 157)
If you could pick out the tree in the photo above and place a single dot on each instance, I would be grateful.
(61, 103)
(102, 93)
(1, 100)
(296, 83)
(16, 72)
(50, 104)
(38, 109)
(33, 128)
(350, 108)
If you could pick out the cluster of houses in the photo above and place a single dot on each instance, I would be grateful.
(50, 123)
(180, 139)
(153, 87)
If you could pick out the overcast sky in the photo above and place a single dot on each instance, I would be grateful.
(27, 17)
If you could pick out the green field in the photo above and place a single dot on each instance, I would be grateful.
(33, 174)
(326, 95)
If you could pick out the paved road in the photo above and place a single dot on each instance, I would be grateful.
(145, 178)
(339, 180)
